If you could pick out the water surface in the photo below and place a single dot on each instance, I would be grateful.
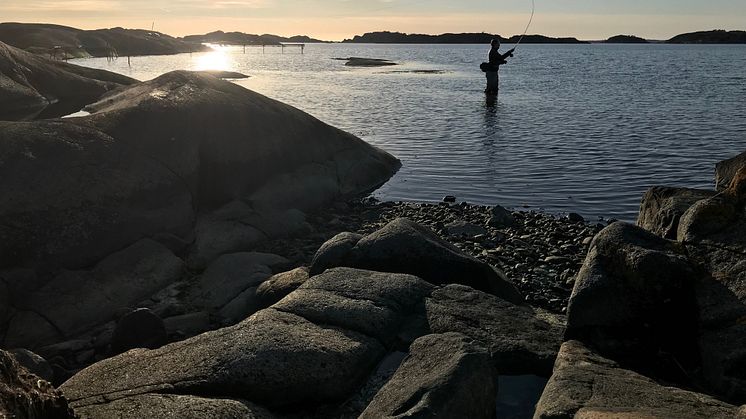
(584, 128)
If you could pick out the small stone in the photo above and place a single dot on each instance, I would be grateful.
(574, 217)
(557, 260)
(500, 217)
(449, 199)
(587, 241)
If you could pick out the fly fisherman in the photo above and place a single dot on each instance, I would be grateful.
(491, 68)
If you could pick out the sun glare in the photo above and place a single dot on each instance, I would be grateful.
(217, 59)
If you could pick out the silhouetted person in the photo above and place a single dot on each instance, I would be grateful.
(491, 68)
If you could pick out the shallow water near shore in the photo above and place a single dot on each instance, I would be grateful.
(582, 128)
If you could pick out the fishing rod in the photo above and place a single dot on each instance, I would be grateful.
(531, 19)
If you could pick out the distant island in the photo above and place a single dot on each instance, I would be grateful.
(386, 37)
(64, 42)
(626, 39)
(240, 38)
(710, 37)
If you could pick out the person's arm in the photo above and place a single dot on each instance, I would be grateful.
(507, 54)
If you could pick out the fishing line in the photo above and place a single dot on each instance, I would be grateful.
(531, 19)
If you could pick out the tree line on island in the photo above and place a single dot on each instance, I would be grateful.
(63, 42)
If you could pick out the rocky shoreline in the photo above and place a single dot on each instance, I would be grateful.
(193, 249)
(540, 252)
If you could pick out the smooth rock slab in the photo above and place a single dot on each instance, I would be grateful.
(448, 376)
(373, 303)
(169, 406)
(522, 340)
(586, 385)
(272, 358)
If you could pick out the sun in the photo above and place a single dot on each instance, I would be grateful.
(217, 59)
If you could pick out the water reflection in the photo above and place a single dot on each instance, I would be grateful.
(217, 59)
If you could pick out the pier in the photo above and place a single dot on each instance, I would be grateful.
(282, 46)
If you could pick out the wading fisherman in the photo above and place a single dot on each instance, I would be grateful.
(491, 68)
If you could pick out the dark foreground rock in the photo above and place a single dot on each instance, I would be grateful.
(714, 232)
(587, 385)
(29, 83)
(444, 375)
(520, 339)
(24, 395)
(321, 351)
(107, 208)
(407, 247)
(34, 363)
(140, 328)
(633, 297)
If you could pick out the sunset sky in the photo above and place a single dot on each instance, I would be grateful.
(338, 19)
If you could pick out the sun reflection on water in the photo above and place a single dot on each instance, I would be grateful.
(217, 59)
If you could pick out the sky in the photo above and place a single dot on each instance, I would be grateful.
(338, 19)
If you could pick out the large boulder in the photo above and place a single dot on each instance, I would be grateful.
(726, 170)
(139, 328)
(74, 195)
(446, 375)
(29, 83)
(714, 232)
(407, 247)
(718, 221)
(587, 385)
(24, 395)
(521, 340)
(227, 143)
(633, 298)
(662, 208)
(74, 301)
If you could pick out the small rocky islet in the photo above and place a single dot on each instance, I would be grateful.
(193, 249)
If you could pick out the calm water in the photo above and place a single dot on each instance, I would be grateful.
(585, 128)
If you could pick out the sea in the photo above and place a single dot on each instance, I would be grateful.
(575, 128)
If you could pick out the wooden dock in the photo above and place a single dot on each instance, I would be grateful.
(282, 46)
